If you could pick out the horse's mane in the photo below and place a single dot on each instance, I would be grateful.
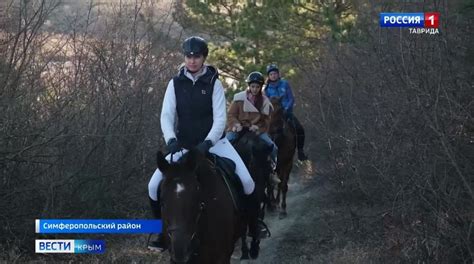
(193, 163)
(277, 119)
(192, 160)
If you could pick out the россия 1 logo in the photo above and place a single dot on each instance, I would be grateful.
(418, 23)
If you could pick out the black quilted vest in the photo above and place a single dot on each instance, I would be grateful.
(194, 106)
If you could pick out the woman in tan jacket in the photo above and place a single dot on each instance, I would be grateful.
(251, 109)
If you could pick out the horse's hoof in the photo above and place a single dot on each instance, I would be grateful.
(254, 249)
(283, 214)
(244, 256)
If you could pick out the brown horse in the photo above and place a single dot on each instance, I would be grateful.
(283, 134)
(256, 155)
(199, 219)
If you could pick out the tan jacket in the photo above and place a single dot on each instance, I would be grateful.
(244, 112)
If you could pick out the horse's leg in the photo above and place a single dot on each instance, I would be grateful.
(252, 215)
(261, 211)
(245, 248)
(277, 199)
(283, 212)
(271, 198)
(244, 230)
(284, 190)
(226, 260)
(254, 248)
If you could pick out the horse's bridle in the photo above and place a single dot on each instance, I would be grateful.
(202, 206)
(194, 238)
(280, 130)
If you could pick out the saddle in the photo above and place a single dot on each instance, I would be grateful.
(226, 167)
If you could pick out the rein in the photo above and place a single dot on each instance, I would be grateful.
(194, 236)
(202, 206)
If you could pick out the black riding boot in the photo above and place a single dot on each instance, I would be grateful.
(300, 136)
(159, 243)
(301, 155)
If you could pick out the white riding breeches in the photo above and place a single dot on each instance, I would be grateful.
(222, 148)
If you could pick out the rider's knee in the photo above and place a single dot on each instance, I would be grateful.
(153, 191)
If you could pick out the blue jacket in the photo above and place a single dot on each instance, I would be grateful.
(282, 89)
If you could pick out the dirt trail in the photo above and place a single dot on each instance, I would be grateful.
(291, 236)
(316, 230)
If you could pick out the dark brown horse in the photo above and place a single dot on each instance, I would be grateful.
(256, 155)
(199, 219)
(283, 134)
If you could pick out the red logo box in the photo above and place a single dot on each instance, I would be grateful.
(432, 20)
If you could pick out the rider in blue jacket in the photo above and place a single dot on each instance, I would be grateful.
(277, 87)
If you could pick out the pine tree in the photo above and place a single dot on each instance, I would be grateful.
(247, 35)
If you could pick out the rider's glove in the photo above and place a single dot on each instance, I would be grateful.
(204, 146)
(237, 127)
(253, 128)
(173, 146)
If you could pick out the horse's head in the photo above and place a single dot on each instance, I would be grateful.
(181, 203)
(276, 103)
(254, 152)
(277, 119)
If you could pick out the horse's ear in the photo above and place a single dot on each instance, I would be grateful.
(192, 159)
(161, 162)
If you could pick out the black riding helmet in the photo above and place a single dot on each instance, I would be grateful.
(195, 46)
(272, 67)
(256, 77)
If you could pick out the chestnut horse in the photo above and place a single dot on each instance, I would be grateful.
(283, 134)
(200, 222)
